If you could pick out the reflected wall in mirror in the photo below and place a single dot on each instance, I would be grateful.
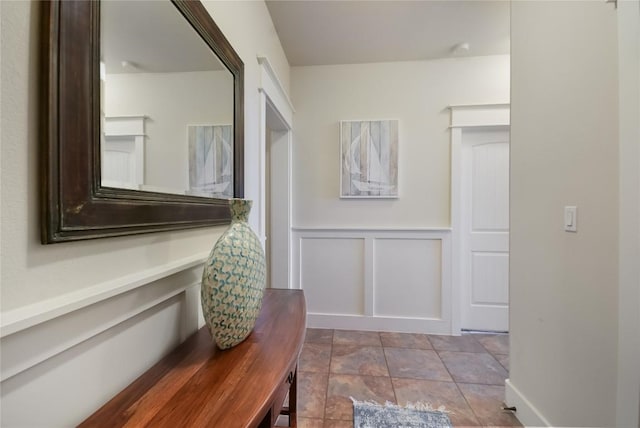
(142, 119)
(167, 103)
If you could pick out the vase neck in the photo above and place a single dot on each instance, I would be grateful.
(240, 209)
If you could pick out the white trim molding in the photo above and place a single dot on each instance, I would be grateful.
(29, 340)
(371, 291)
(270, 84)
(273, 97)
(271, 92)
(95, 342)
(464, 116)
(28, 316)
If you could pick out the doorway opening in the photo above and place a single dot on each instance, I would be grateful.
(277, 198)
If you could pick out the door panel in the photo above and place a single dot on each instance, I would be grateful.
(485, 230)
(489, 280)
(490, 186)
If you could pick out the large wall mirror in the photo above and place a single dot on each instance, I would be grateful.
(143, 119)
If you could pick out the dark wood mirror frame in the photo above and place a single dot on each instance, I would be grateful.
(74, 205)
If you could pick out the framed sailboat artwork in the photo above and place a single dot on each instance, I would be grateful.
(369, 159)
(210, 160)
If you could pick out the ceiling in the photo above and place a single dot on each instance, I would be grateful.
(151, 37)
(323, 32)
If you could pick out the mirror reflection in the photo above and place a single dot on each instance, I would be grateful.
(166, 104)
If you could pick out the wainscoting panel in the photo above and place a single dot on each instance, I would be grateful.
(333, 271)
(375, 279)
(68, 361)
(407, 278)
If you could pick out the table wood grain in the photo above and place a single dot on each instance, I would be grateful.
(199, 385)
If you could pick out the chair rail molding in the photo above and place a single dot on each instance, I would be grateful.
(19, 319)
(137, 318)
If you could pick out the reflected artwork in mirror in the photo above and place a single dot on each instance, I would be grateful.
(167, 103)
(143, 119)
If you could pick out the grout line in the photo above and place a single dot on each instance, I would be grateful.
(386, 362)
(458, 387)
(429, 341)
(464, 397)
(326, 391)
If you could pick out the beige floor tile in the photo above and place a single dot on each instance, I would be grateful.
(495, 344)
(358, 360)
(469, 367)
(310, 423)
(312, 392)
(341, 387)
(329, 423)
(315, 357)
(353, 337)
(319, 335)
(416, 364)
(464, 343)
(504, 360)
(486, 401)
(405, 340)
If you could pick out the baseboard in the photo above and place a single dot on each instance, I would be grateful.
(379, 323)
(526, 413)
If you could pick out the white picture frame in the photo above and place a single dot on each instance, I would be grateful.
(369, 158)
(210, 160)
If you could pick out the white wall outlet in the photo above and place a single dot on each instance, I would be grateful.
(571, 219)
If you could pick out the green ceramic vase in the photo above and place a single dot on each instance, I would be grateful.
(233, 280)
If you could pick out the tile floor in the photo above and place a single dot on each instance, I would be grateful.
(465, 374)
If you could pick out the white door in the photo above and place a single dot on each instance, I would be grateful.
(485, 230)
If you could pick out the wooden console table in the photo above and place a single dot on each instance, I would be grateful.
(198, 385)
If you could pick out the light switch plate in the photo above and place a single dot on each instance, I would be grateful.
(571, 219)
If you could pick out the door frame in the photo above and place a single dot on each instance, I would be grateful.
(273, 97)
(465, 118)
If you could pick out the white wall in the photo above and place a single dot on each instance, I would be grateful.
(628, 397)
(248, 25)
(564, 151)
(171, 101)
(156, 275)
(373, 241)
(417, 94)
(31, 272)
